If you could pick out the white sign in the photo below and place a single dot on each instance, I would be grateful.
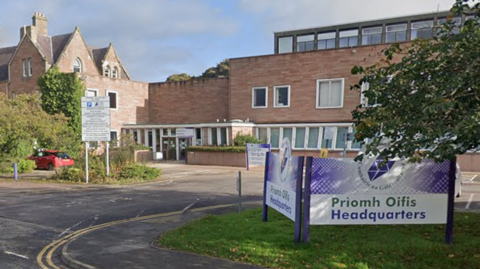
(346, 192)
(329, 133)
(184, 132)
(256, 154)
(96, 118)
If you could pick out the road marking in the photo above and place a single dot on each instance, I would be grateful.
(469, 201)
(15, 254)
(472, 178)
(138, 215)
(190, 205)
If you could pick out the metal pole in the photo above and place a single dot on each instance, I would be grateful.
(15, 170)
(345, 146)
(265, 207)
(239, 182)
(86, 162)
(108, 160)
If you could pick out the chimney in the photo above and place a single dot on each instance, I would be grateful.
(40, 23)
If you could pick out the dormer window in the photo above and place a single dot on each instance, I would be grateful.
(77, 66)
(115, 72)
(107, 71)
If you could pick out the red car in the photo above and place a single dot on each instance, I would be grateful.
(51, 159)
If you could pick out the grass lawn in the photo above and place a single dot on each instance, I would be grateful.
(244, 237)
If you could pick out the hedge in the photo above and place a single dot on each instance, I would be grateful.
(217, 149)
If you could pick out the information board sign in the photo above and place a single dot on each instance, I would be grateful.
(256, 154)
(96, 118)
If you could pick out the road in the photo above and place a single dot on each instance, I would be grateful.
(34, 215)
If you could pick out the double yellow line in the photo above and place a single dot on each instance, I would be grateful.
(47, 252)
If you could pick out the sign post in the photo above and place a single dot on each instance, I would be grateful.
(95, 124)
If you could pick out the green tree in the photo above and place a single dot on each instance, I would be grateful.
(61, 93)
(425, 97)
(179, 77)
(222, 69)
(23, 123)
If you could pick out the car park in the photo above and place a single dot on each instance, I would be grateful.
(51, 159)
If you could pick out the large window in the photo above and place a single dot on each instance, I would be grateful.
(312, 138)
(330, 93)
(262, 135)
(27, 67)
(91, 92)
(287, 133)
(259, 97)
(305, 43)
(24, 68)
(348, 38)
(114, 138)
(223, 136)
(198, 136)
(457, 21)
(285, 44)
(300, 137)
(396, 33)
(218, 136)
(77, 66)
(274, 137)
(355, 144)
(281, 96)
(327, 137)
(372, 35)
(341, 141)
(30, 67)
(421, 29)
(113, 99)
(213, 137)
(326, 40)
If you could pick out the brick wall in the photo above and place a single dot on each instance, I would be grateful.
(195, 101)
(132, 99)
(77, 48)
(300, 71)
(18, 83)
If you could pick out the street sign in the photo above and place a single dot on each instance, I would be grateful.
(96, 118)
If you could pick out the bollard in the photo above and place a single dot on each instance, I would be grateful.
(15, 171)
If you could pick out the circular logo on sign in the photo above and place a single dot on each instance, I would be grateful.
(380, 175)
(285, 158)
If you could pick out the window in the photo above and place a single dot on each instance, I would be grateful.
(30, 67)
(115, 72)
(150, 139)
(91, 92)
(274, 137)
(421, 29)
(372, 35)
(312, 138)
(341, 137)
(165, 132)
(223, 136)
(173, 132)
(114, 138)
(77, 66)
(364, 100)
(326, 40)
(285, 44)
(305, 43)
(330, 93)
(355, 144)
(24, 67)
(396, 33)
(262, 135)
(287, 133)
(113, 99)
(281, 96)
(300, 137)
(259, 97)
(213, 137)
(348, 38)
(327, 137)
(198, 136)
(107, 71)
(457, 21)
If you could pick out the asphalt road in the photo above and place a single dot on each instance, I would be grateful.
(34, 215)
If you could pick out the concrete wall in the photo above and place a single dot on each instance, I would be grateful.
(300, 71)
(217, 158)
(194, 101)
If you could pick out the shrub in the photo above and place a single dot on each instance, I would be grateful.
(25, 166)
(243, 139)
(217, 149)
(138, 171)
(70, 174)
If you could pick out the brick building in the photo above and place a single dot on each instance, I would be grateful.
(301, 91)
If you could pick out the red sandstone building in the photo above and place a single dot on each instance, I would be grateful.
(302, 91)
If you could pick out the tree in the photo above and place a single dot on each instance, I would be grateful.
(424, 98)
(222, 69)
(61, 93)
(23, 123)
(179, 77)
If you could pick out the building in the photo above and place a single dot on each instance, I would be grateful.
(301, 91)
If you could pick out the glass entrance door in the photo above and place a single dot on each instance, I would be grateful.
(183, 143)
(169, 148)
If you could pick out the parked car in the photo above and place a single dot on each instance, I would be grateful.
(51, 159)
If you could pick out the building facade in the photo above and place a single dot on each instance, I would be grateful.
(301, 91)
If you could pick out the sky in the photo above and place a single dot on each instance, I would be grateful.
(157, 38)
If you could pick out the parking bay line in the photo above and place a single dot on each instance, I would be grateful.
(469, 201)
(472, 178)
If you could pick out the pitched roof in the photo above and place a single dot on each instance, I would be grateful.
(98, 56)
(5, 56)
(58, 44)
(44, 45)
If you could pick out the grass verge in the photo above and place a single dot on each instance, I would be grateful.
(244, 237)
